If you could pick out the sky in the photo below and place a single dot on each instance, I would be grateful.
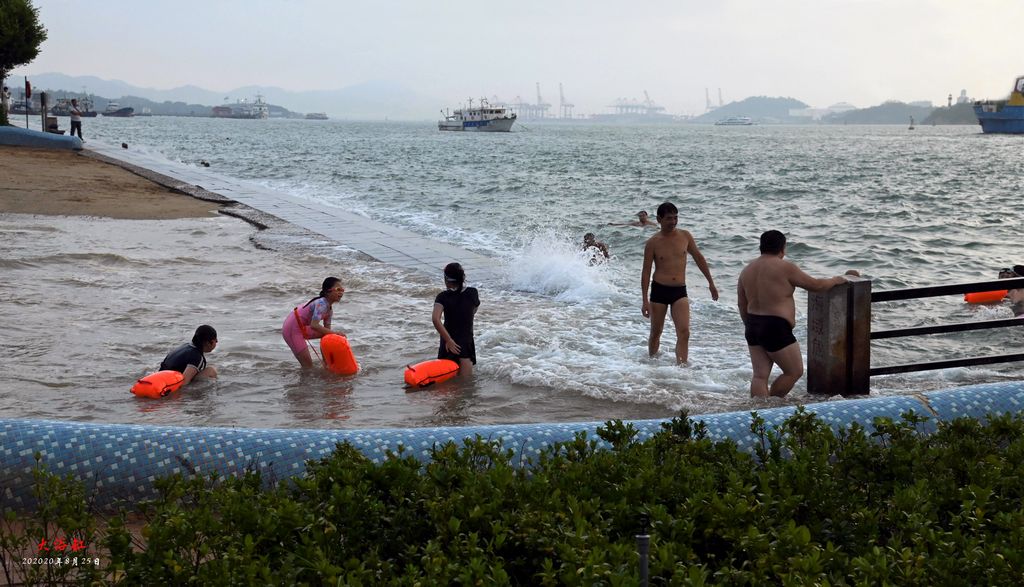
(819, 51)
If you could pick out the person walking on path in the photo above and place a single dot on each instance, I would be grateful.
(76, 119)
(667, 251)
(765, 299)
(457, 304)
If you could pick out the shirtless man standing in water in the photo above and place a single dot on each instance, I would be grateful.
(667, 251)
(765, 292)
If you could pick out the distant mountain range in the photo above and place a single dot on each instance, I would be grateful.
(385, 99)
(367, 101)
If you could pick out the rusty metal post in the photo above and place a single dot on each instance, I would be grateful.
(839, 339)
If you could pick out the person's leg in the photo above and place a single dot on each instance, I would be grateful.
(210, 372)
(304, 358)
(762, 365)
(658, 312)
(465, 367)
(681, 319)
(792, 364)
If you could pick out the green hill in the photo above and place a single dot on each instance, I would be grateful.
(760, 109)
(888, 113)
(956, 114)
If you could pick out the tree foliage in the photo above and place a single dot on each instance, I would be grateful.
(21, 34)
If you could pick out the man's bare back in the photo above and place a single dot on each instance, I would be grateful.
(765, 299)
(767, 284)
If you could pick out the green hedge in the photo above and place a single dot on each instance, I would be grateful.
(811, 506)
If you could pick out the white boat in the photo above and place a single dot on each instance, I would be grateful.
(735, 121)
(483, 118)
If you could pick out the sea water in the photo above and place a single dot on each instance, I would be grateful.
(558, 337)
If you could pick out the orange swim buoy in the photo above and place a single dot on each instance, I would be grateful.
(159, 384)
(430, 372)
(985, 297)
(338, 355)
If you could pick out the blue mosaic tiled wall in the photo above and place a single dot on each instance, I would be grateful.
(119, 462)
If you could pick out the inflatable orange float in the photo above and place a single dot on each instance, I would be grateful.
(337, 355)
(430, 372)
(985, 297)
(159, 384)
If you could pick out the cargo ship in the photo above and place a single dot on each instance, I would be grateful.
(114, 109)
(255, 110)
(1003, 116)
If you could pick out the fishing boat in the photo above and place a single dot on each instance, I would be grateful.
(85, 106)
(483, 118)
(63, 107)
(735, 121)
(1003, 116)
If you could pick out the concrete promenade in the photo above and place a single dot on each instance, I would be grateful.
(381, 242)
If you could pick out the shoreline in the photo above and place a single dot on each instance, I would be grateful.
(88, 184)
(63, 183)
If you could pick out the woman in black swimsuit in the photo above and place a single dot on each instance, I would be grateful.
(457, 304)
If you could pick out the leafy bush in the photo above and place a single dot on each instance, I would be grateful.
(810, 506)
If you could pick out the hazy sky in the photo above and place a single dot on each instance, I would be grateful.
(818, 51)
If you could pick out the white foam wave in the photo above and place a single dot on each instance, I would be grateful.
(554, 265)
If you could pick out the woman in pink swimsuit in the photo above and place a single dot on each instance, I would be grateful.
(313, 320)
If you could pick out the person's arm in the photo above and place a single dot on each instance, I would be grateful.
(316, 326)
(741, 300)
(702, 264)
(604, 249)
(645, 278)
(322, 326)
(189, 374)
(439, 327)
(800, 279)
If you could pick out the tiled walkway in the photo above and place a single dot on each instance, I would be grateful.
(380, 241)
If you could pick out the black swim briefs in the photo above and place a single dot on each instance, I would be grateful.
(771, 332)
(667, 294)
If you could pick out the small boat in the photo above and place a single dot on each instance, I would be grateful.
(483, 118)
(911, 123)
(316, 116)
(735, 121)
(1003, 116)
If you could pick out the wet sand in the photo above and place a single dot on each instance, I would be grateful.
(65, 183)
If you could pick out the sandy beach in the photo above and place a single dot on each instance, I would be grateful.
(51, 182)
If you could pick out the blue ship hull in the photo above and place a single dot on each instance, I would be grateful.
(1000, 118)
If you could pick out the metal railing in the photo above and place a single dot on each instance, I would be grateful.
(839, 333)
